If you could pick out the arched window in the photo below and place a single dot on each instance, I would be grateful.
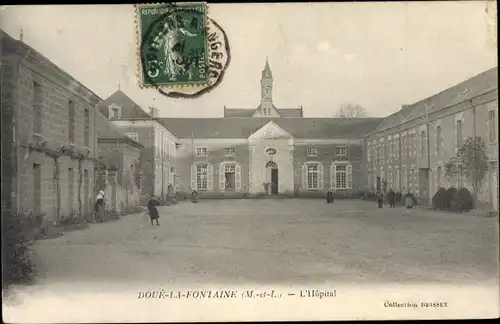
(271, 151)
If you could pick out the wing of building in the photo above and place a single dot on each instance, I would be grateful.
(411, 148)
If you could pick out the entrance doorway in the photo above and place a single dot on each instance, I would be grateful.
(273, 176)
(274, 181)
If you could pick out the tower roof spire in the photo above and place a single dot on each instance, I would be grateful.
(266, 73)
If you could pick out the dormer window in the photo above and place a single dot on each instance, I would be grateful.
(115, 111)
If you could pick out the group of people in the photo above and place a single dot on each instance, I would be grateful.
(391, 198)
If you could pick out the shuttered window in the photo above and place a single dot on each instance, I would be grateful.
(201, 177)
(341, 176)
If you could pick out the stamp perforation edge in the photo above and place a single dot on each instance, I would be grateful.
(138, 49)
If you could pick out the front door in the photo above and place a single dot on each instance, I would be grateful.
(274, 181)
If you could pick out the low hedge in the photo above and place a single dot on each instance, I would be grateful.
(18, 231)
(462, 201)
(439, 200)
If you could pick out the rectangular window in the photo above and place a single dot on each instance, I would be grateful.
(38, 107)
(396, 179)
(423, 144)
(133, 136)
(459, 133)
(312, 176)
(201, 151)
(341, 177)
(438, 176)
(114, 113)
(405, 179)
(341, 150)
(492, 124)
(202, 177)
(71, 121)
(438, 139)
(71, 180)
(312, 151)
(230, 176)
(37, 189)
(229, 151)
(86, 129)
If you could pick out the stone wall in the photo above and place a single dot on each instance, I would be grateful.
(38, 97)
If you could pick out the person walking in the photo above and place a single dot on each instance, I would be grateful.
(380, 198)
(153, 202)
(391, 197)
(409, 201)
(99, 207)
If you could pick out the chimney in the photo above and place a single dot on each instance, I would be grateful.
(153, 112)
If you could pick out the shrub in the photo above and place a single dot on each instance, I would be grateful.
(17, 263)
(398, 196)
(462, 200)
(450, 193)
(439, 200)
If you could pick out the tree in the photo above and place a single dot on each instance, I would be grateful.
(471, 161)
(350, 110)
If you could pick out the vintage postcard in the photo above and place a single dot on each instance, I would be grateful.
(193, 161)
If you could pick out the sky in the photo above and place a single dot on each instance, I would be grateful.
(322, 55)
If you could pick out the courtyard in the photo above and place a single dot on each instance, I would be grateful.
(276, 241)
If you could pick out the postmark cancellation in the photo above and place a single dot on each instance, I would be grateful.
(172, 45)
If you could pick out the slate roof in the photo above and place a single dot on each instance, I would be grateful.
(129, 108)
(287, 112)
(243, 127)
(466, 90)
(106, 130)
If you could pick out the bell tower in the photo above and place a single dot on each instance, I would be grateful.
(266, 84)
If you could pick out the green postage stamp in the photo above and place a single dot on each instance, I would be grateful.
(172, 44)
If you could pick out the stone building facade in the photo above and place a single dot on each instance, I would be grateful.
(49, 141)
(410, 149)
(157, 155)
(270, 151)
(118, 167)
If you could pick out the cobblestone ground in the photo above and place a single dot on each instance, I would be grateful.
(277, 242)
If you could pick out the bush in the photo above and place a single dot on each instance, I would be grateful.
(448, 199)
(439, 200)
(462, 200)
(17, 263)
(398, 196)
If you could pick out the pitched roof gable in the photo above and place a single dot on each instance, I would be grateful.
(130, 109)
(271, 130)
